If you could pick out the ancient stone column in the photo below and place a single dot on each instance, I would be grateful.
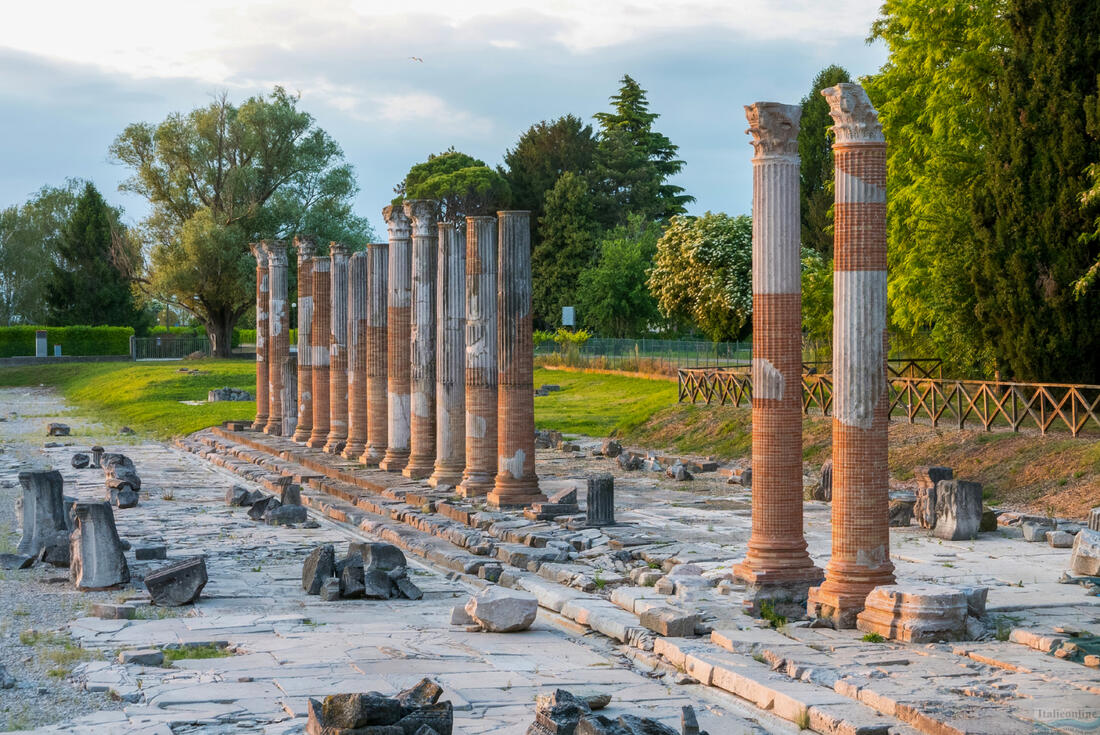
(421, 214)
(262, 394)
(290, 394)
(319, 335)
(398, 306)
(377, 400)
(357, 356)
(278, 343)
(450, 370)
(516, 484)
(776, 568)
(600, 500)
(96, 558)
(338, 352)
(860, 558)
(479, 475)
(43, 510)
(306, 250)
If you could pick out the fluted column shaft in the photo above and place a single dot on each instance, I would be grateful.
(377, 399)
(306, 250)
(479, 476)
(398, 307)
(278, 346)
(357, 356)
(338, 345)
(319, 337)
(516, 484)
(262, 305)
(860, 559)
(421, 214)
(450, 372)
(776, 562)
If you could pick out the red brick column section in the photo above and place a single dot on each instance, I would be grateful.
(306, 250)
(479, 476)
(450, 369)
(398, 308)
(357, 356)
(421, 213)
(262, 305)
(338, 352)
(377, 398)
(516, 484)
(860, 558)
(278, 344)
(319, 337)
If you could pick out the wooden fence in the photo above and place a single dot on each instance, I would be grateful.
(938, 401)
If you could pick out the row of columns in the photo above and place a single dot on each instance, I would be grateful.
(777, 567)
(398, 364)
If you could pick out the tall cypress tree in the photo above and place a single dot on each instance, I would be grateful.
(87, 284)
(566, 247)
(1027, 208)
(816, 151)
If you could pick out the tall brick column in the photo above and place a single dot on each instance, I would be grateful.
(421, 213)
(398, 308)
(278, 343)
(450, 371)
(377, 399)
(262, 305)
(319, 336)
(516, 484)
(357, 356)
(478, 478)
(860, 558)
(776, 568)
(338, 346)
(306, 250)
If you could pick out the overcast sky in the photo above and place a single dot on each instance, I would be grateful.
(74, 74)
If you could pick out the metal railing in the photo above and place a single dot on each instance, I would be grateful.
(647, 355)
(168, 347)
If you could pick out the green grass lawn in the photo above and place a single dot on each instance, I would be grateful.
(599, 405)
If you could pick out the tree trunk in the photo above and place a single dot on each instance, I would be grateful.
(219, 328)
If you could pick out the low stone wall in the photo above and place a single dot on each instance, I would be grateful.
(31, 360)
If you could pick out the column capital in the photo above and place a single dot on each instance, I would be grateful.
(421, 212)
(306, 246)
(855, 118)
(259, 252)
(276, 252)
(397, 224)
(774, 129)
(338, 249)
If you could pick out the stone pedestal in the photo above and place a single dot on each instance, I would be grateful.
(450, 372)
(320, 331)
(306, 251)
(777, 567)
(860, 558)
(516, 485)
(262, 305)
(278, 343)
(338, 352)
(357, 356)
(600, 501)
(479, 474)
(43, 510)
(398, 308)
(290, 395)
(921, 613)
(377, 400)
(97, 561)
(958, 510)
(421, 214)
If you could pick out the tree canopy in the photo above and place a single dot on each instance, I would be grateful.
(815, 149)
(462, 186)
(613, 297)
(545, 152)
(566, 247)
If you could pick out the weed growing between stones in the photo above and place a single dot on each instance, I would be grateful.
(767, 612)
(873, 638)
(206, 650)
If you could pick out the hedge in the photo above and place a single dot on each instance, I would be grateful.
(240, 336)
(19, 341)
(248, 336)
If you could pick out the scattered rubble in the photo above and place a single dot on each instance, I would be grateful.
(80, 461)
(414, 711)
(563, 713)
(228, 394)
(375, 571)
(57, 429)
(177, 584)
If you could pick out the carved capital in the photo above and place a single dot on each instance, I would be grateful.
(421, 212)
(774, 128)
(855, 118)
(259, 253)
(276, 253)
(306, 247)
(338, 250)
(397, 224)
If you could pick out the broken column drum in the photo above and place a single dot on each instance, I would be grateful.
(357, 356)
(277, 347)
(338, 351)
(97, 559)
(450, 375)
(479, 475)
(776, 565)
(290, 394)
(600, 501)
(43, 510)
(860, 558)
(421, 214)
(262, 305)
(398, 307)
(320, 330)
(306, 251)
(516, 484)
(377, 401)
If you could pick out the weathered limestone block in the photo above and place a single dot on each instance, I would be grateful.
(80, 461)
(601, 500)
(97, 559)
(669, 621)
(177, 584)
(1085, 558)
(927, 477)
(57, 430)
(285, 515)
(318, 568)
(43, 510)
(915, 613)
(1060, 539)
(1035, 531)
(500, 610)
(901, 513)
(958, 510)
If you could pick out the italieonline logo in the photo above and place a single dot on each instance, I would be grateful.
(1083, 720)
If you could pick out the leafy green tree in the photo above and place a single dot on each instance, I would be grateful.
(461, 184)
(635, 161)
(222, 176)
(1044, 128)
(702, 273)
(543, 153)
(817, 297)
(613, 298)
(93, 270)
(1090, 198)
(815, 148)
(566, 248)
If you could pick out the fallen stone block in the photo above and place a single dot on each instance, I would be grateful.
(56, 429)
(915, 613)
(113, 611)
(291, 494)
(1060, 539)
(238, 496)
(459, 616)
(407, 589)
(958, 510)
(122, 497)
(142, 657)
(901, 513)
(80, 461)
(177, 584)
(43, 510)
(678, 472)
(989, 521)
(927, 477)
(318, 568)
(259, 507)
(611, 448)
(352, 583)
(359, 710)
(330, 590)
(975, 600)
(670, 622)
(57, 551)
(285, 515)
(629, 461)
(1035, 531)
(429, 718)
(1085, 558)
(15, 561)
(377, 555)
(97, 559)
(151, 552)
(500, 610)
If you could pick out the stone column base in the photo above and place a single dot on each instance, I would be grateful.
(513, 501)
(417, 468)
(301, 435)
(259, 424)
(785, 590)
(840, 609)
(372, 457)
(475, 486)
(394, 461)
(445, 476)
(353, 451)
(333, 446)
(316, 442)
